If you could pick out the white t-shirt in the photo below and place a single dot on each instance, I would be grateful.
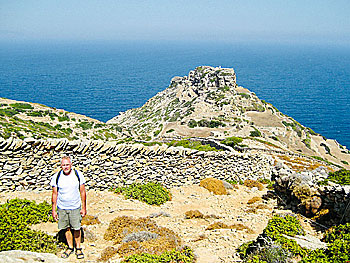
(68, 189)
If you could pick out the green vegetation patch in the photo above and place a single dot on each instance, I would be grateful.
(8, 112)
(273, 234)
(16, 216)
(184, 255)
(255, 133)
(150, 193)
(341, 177)
(196, 145)
(232, 141)
(244, 95)
(205, 123)
(22, 106)
(338, 249)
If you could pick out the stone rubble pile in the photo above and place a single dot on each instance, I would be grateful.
(304, 190)
(206, 77)
(30, 163)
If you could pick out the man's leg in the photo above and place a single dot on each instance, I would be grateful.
(77, 238)
(75, 221)
(69, 237)
(63, 223)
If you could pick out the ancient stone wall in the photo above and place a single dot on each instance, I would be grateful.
(29, 164)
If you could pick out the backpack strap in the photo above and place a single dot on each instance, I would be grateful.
(76, 173)
(59, 174)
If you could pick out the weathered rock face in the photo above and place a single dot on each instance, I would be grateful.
(29, 164)
(302, 192)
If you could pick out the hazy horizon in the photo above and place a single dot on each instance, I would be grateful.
(225, 21)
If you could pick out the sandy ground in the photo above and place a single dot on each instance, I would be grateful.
(209, 245)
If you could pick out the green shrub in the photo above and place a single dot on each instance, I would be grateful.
(344, 162)
(169, 131)
(307, 143)
(244, 95)
(150, 193)
(185, 255)
(192, 123)
(192, 145)
(245, 249)
(210, 124)
(311, 131)
(326, 148)
(8, 112)
(233, 182)
(255, 133)
(340, 177)
(85, 125)
(338, 250)
(270, 253)
(63, 118)
(52, 115)
(156, 133)
(269, 183)
(151, 143)
(232, 141)
(274, 232)
(15, 218)
(22, 106)
(287, 225)
(35, 113)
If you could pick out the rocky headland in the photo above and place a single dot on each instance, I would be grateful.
(207, 106)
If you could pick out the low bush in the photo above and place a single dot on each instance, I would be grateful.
(338, 249)
(130, 233)
(90, 220)
(193, 214)
(16, 216)
(232, 141)
(270, 253)
(85, 125)
(253, 183)
(22, 106)
(214, 185)
(150, 193)
(184, 255)
(277, 228)
(255, 133)
(196, 145)
(340, 177)
(8, 112)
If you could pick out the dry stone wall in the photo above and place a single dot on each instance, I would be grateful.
(302, 191)
(29, 164)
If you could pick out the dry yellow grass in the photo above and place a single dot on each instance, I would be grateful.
(253, 183)
(122, 226)
(90, 220)
(254, 200)
(213, 185)
(193, 214)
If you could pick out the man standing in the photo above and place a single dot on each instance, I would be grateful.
(69, 196)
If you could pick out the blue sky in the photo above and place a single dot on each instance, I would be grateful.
(190, 20)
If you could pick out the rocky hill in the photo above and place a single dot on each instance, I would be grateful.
(208, 103)
(32, 120)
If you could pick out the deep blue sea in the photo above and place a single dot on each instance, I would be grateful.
(307, 82)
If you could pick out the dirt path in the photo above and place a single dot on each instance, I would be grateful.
(209, 245)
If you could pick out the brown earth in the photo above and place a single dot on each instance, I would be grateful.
(212, 246)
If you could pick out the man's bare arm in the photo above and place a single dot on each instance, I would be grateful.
(83, 199)
(54, 203)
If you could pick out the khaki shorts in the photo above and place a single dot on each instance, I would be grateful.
(69, 218)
